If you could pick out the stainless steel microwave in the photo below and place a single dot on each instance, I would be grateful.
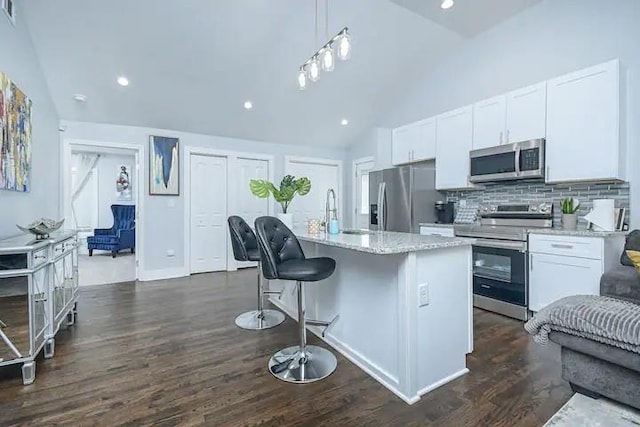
(520, 160)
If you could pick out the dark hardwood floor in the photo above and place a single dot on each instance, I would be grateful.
(168, 353)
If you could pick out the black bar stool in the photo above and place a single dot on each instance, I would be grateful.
(245, 248)
(283, 258)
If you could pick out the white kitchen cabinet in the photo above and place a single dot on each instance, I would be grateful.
(424, 147)
(583, 130)
(519, 115)
(414, 142)
(427, 230)
(454, 141)
(552, 277)
(526, 113)
(401, 143)
(561, 266)
(489, 122)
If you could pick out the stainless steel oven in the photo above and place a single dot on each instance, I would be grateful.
(500, 282)
(500, 270)
(521, 160)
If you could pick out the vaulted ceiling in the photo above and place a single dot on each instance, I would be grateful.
(192, 63)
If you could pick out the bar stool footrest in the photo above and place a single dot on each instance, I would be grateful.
(327, 325)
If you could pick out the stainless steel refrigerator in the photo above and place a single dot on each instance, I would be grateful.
(402, 198)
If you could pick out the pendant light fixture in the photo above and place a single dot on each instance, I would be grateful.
(302, 79)
(314, 69)
(325, 58)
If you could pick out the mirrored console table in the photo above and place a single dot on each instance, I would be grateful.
(38, 295)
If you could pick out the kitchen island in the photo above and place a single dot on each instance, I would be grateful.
(404, 303)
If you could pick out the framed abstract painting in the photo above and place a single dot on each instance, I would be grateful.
(164, 166)
(15, 137)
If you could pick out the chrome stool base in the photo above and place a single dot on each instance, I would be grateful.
(288, 365)
(253, 321)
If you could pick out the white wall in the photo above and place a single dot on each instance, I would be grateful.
(105, 172)
(550, 39)
(107, 168)
(164, 216)
(19, 61)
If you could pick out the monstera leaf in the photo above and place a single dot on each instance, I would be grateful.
(289, 187)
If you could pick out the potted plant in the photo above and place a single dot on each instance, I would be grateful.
(289, 187)
(569, 208)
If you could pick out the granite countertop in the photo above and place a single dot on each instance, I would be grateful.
(383, 242)
(433, 224)
(580, 232)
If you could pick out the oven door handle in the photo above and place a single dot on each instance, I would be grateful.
(518, 162)
(501, 244)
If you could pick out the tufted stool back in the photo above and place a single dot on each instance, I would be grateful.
(277, 244)
(243, 240)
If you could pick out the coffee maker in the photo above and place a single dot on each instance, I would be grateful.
(444, 212)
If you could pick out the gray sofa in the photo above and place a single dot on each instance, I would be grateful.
(596, 369)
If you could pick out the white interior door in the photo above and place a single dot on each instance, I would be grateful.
(249, 206)
(323, 177)
(361, 191)
(208, 194)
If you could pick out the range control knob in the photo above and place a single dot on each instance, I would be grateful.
(544, 208)
(494, 208)
(534, 209)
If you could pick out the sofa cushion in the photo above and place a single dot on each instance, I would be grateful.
(602, 351)
(634, 256)
(632, 243)
(621, 282)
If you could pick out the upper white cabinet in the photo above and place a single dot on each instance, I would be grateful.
(454, 137)
(489, 122)
(583, 131)
(517, 116)
(526, 113)
(401, 142)
(415, 142)
(425, 146)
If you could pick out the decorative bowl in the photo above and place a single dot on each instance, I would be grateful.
(42, 227)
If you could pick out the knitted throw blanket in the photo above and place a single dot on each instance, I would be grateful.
(603, 319)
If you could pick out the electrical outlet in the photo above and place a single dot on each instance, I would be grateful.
(171, 253)
(424, 295)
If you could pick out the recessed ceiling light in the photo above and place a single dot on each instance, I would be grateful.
(123, 81)
(80, 97)
(344, 122)
(248, 105)
(446, 4)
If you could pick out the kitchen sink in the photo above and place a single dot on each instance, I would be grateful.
(356, 232)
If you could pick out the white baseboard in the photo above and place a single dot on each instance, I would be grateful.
(164, 273)
(442, 382)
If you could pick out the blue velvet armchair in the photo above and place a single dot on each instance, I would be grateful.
(121, 236)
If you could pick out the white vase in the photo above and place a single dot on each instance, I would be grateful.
(287, 219)
(569, 221)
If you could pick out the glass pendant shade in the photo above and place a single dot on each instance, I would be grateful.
(327, 59)
(302, 79)
(313, 69)
(344, 46)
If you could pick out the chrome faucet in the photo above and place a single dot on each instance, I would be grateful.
(331, 195)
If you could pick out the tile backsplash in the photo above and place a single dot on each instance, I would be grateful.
(533, 192)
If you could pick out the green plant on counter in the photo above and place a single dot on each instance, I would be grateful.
(289, 187)
(570, 205)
